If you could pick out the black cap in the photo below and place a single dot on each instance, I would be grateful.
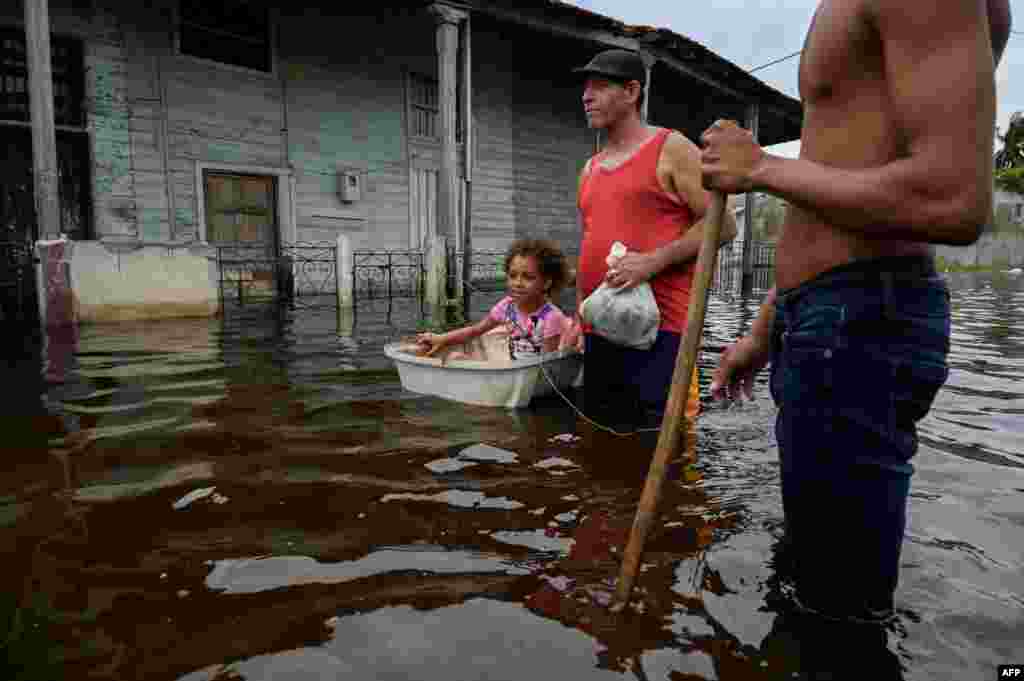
(620, 65)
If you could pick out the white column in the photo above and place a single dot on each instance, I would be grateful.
(343, 271)
(437, 272)
(44, 136)
(448, 21)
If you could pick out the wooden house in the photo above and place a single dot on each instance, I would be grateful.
(182, 124)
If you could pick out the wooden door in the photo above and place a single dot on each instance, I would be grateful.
(241, 221)
(241, 209)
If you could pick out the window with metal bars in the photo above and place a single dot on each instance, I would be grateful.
(17, 211)
(234, 32)
(424, 109)
(68, 79)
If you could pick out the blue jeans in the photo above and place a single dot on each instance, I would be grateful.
(625, 387)
(858, 355)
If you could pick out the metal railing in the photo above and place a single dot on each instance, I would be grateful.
(729, 270)
(486, 270)
(388, 274)
(307, 273)
(302, 273)
(313, 269)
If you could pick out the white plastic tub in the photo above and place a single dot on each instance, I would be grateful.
(493, 381)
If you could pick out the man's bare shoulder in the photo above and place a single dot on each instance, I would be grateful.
(930, 16)
(680, 150)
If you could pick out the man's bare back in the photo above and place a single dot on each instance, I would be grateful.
(849, 123)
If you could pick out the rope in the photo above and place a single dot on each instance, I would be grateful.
(569, 402)
(587, 418)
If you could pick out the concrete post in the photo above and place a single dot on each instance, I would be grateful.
(343, 272)
(747, 278)
(44, 136)
(437, 272)
(346, 321)
(448, 20)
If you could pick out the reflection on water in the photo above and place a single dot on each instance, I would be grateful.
(257, 498)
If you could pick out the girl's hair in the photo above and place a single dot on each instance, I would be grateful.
(550, 259)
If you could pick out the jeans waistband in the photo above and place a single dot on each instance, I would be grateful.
(877, 271)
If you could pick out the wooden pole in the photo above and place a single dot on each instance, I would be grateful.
(672, 422)
(44, 135)
(448, 20)
(467, 147)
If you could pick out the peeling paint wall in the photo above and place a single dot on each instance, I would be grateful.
(113, 182)
(346, 102)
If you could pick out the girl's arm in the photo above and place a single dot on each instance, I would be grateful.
(470, 332)
(437, 341)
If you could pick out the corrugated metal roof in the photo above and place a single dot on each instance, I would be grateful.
(685, 50)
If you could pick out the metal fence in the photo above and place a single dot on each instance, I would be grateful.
(17, 283)
(301, 273)
(388, 274)
(486, 270)
(312, 270)
(729, 269)
(306, 274)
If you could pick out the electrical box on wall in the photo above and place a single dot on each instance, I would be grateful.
(350, 186)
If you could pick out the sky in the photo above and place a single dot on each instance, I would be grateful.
(750, 33)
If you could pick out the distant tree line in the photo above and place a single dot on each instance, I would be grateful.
(1009, 172)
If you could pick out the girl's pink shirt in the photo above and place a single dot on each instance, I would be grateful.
(552, 323)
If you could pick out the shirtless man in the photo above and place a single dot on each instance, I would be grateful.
(644, 189)
(896, 155)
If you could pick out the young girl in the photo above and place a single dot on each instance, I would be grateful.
(536, 270)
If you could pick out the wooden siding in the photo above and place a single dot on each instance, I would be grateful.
(531, 142)
(346, 111)
(331, 105)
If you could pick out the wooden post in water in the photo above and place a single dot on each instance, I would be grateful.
(672, 423)
(343, 266)
(437, 272)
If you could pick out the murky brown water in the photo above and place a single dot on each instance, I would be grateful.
(350, 535)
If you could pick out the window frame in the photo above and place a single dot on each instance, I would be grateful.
(411, 78)
(74, 139)
(75, 81)
(273, 20)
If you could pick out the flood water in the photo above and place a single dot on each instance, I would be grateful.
(351, 532)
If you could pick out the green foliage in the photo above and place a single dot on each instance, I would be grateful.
(1011, 179)
(943, 265)
(1012, 153)
(769, 214)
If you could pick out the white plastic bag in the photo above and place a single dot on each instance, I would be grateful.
(627, 317)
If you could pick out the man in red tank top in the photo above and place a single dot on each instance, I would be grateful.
(644, 189)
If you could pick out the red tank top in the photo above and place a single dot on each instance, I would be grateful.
(628, 204)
